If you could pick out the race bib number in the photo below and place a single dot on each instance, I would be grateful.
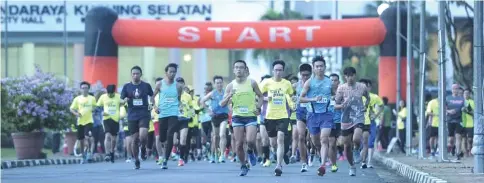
(303, 105)
(137, 102)
(170, 100)
(112, 111)
(243, 110)
(323, 101)
(277, 101)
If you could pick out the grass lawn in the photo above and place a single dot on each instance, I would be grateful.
(9, 153)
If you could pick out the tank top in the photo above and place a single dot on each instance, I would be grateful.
(168, 103)
(320, 88)
(215, 103)
(299, 88)
(243, 100)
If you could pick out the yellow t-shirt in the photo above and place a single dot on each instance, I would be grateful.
(85, 106)
(375, 100)
(194, 122)
(433, 108)
(467, 119)
(277, 107)
(186, 104)
(122, 112)
(154, 115)
(110, 105)
(401, 115)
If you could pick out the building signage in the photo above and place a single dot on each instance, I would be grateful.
(38, 16)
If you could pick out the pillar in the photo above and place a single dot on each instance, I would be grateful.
(78, 62)
(28, 58)
(174, 55)
(199, 70)
(149, 64)
(100, 51)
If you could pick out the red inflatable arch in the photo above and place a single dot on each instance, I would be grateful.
(105, 32)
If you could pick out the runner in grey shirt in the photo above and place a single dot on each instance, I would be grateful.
(454, 104)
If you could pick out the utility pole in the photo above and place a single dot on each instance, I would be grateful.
(408, 127)
(422, 143)
(478, 143)
(442, 88)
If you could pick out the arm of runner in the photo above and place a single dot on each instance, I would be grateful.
(367, 95)
(304, 92)
(151, 97)
(205, 98)
(74, 107)
(179, 89)
(339, 99)
(259, 94)
(124, 95)
(227, 96)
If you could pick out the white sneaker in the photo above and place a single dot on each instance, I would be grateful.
(353, 170)
(304, 167)
(128, 160)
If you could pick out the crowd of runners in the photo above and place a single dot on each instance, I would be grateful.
(312, 119)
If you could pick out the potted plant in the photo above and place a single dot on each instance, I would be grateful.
(32, 104)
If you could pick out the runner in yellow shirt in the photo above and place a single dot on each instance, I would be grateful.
(82, 106)
(186, 113)
(277, 116)
(468, 121)
(110, 102)
(433, 113)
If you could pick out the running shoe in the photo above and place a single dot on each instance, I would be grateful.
(353, 170)
(304, 167)
(252, 159)
(164, 165)
(137, 164)
(293, 159)
(278, 171)
(334, 168)
(363, 166)
(243, 170)
(321, 170)
(181, 162)
(267, 163)
(112, 157)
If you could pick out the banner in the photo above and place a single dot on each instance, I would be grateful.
(261, 34)
(39, 16)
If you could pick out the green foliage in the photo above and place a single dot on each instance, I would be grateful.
(292, 57)
(367, 64)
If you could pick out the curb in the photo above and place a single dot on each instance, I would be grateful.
(44, 162)
(407, 171)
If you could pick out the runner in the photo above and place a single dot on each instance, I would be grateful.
(294, 135)
(205, 120)
(82, 106)
(168, 109)
(277, 116)
(242, 93)
(137, 93)
(156, 125)
(305, 70)
(184, 117)
(219, 116)
(266, 150)
(454, 104)
(468, 121)
(193, 136)
(349, 99)
(320, 119)
(110, 102)
(373, 111)
(336, 131)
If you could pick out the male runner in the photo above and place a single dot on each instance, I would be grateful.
(305, 70)
(110, 102)
(168, 109)
(82, 106)
(349, 99)
(373, 111)
(137, 93)
(184, 118)
(317, 92)
(336, 131)
(294, 136)
(468, 121)
(219, 116)
(266, 151)
(206, 119)
(156, 125)
(454, 104)
(242, 93)
(277, 117)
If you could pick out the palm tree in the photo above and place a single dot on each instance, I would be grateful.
(292, 57)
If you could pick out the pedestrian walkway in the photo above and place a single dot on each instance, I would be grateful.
(51, 160)
(423, 170)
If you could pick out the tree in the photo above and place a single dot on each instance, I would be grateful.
(365, 61)
(463, 74)
(290, 56)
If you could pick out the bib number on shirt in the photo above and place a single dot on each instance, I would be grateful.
(170, 100)
(243, 110)
(137, 102)
(277, 101)
(303, 105)
(112, 111)
(322, 101)
(332, 102)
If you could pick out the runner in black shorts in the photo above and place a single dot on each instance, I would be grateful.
(305, 70)
(168, 109)
(336, 131)
(110, 102)
(349, 100)
(137, 93)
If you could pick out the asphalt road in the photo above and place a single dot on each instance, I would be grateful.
(199, 172)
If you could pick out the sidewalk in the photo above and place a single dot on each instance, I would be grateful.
(53, 160)
(429, 170)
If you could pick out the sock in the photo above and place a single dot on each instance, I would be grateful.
(266, 151)
(370, 155)
(182, 152)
